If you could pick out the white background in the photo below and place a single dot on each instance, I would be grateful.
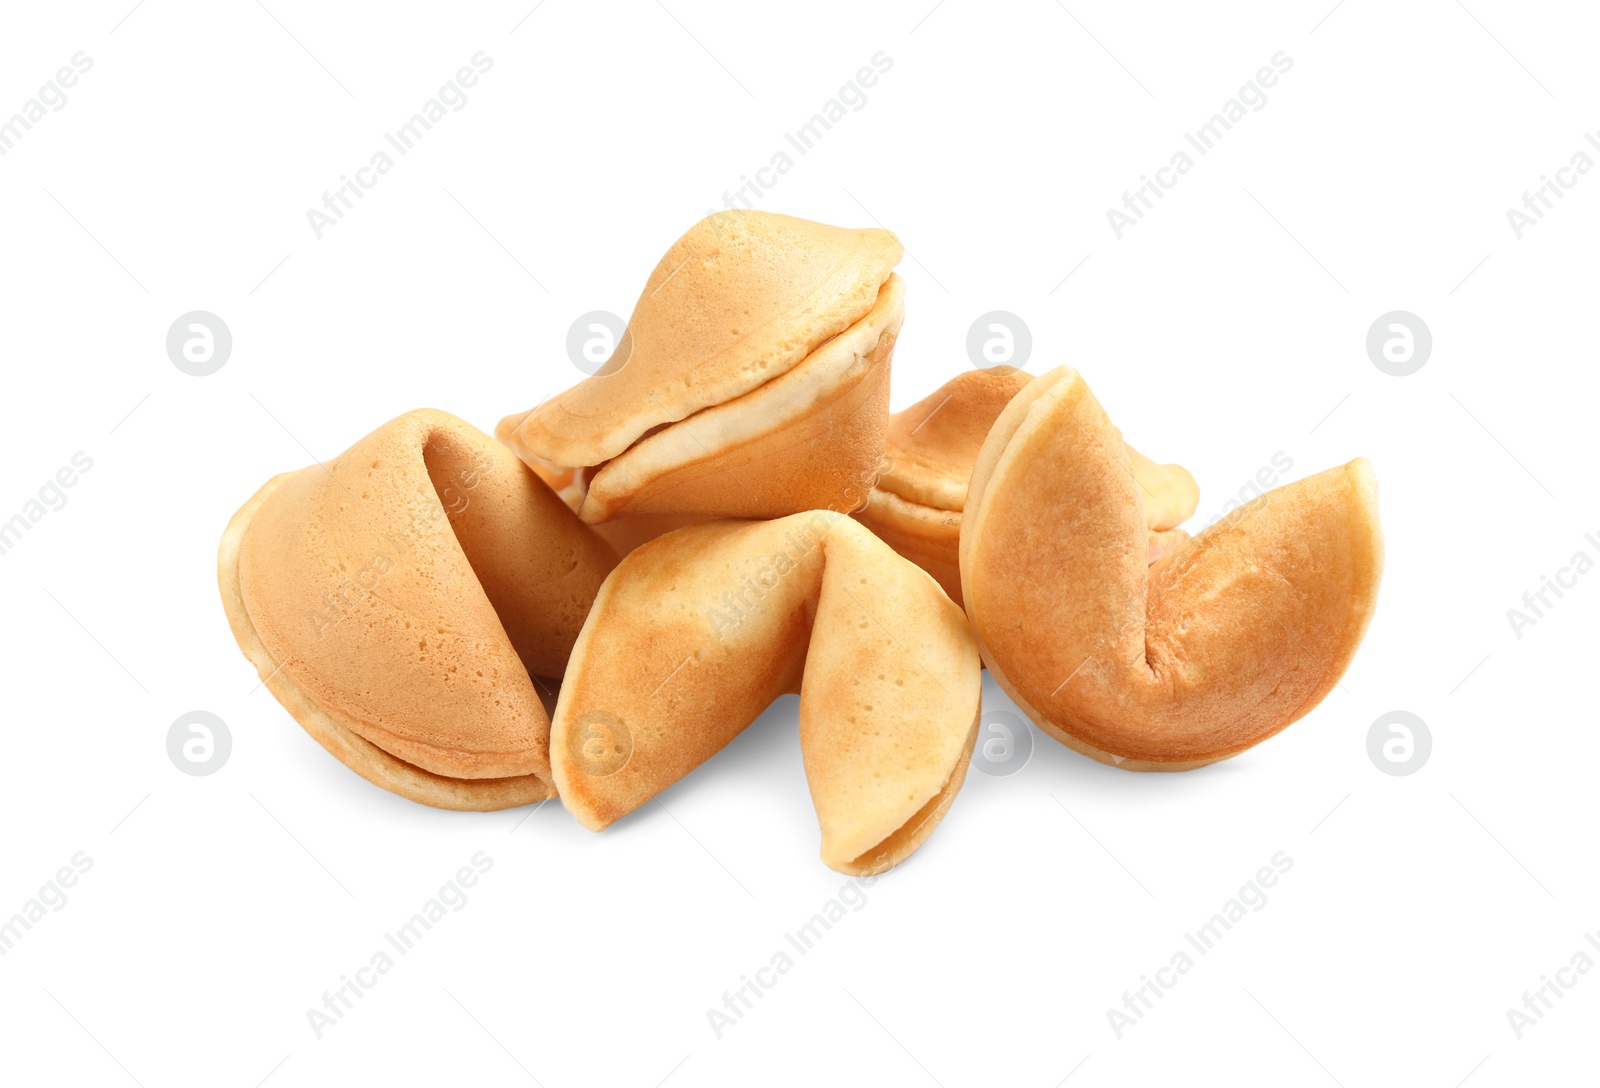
(1226, 327)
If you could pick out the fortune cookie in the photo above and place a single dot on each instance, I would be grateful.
(399, 601)
(696, 632)
(1236, 634)
(916, 504)
(752, 380)
(625, 533)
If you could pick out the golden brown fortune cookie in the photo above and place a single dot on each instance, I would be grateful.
(1239, 632)
(752, 380)
(625, 533)
(399, 601)
(916, 503)
(696, 632)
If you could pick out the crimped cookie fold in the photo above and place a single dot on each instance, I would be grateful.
(916, 504)
(1218, 646)
(396, 601)
(752, 381)
(695, 633)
